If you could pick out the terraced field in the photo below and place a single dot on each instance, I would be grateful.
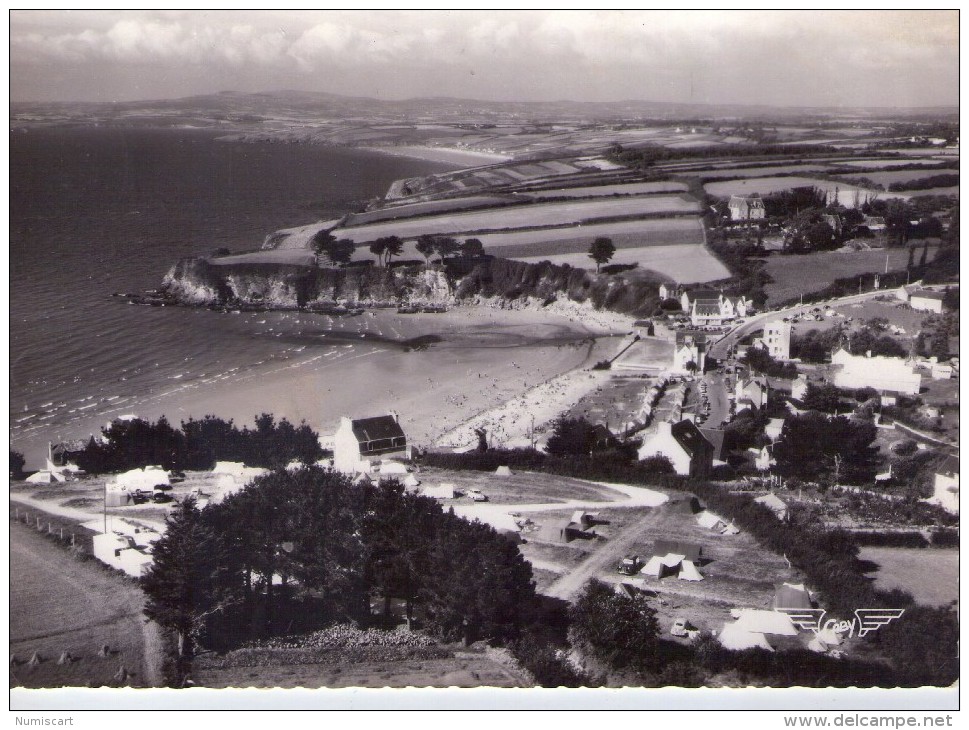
(598, 191)
(545, 214)
(651, 232)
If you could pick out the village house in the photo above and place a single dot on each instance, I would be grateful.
(683, 444)
(751, 392)
(690, 347)
(358, 443)
(715, 310)
(925, 300)
(799, 387)
(746, 208)
(881, 373)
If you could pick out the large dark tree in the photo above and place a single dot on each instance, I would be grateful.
(340, 252)
(446, 246)
(813, 446)
(472, 247)
(602, 251)
(17, 462)
(188, 581)
(425, 246)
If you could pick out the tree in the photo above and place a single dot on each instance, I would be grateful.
(17, 462)
(619, 630)
(814, 445)
(425, 246)
(187, 582)
(378, 248)
(575, 436)
(472, 247)
(321, 240)
(602, 251)
(826, 398)
(340, 252)
(392, 246)
(446, 246)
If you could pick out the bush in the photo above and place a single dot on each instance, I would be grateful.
(943, 537)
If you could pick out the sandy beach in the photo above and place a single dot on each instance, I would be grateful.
(486, 358)
(448, 155)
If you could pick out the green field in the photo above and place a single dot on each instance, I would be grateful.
(930, 575)
(688, 264)
(543, 214)
(598, 191)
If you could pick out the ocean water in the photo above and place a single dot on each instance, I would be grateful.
(97, 210)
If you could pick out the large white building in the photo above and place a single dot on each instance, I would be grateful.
(777, 339)
(881, 373)
(358, 443)
(709, 310)
(690, 347)
(926, 301)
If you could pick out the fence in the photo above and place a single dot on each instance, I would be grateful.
(59, 529)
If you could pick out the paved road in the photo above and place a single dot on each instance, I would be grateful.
(720, 348)
(606, 558)
(719, 402)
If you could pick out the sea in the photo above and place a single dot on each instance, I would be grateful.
(100, 210)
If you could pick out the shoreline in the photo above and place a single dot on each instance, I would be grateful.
(472, 370)
(445, 155)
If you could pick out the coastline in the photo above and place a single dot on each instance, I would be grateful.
(487, 358)
(447, 155)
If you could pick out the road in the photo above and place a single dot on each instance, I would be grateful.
(606, 557)
(717, 397)
(721, 348)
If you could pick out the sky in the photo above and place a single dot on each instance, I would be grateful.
(781, 58)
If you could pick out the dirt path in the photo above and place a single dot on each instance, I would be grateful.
(61, 604)
(607, 555)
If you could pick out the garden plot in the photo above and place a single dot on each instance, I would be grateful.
(893, 163)
(598, 191)
(543, 214)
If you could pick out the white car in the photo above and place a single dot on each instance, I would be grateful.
(477, 496)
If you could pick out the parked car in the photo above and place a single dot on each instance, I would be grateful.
(630, 565)
(477, 496)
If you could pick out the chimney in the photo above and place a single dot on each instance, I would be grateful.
(867, 353)
(394, 415)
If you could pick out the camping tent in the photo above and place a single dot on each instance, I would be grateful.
(653, 567)
(41, 477)
(734, 637)
(791, 595)
(145, 479)
(731, 529)
(710, 521)
(766, 622)
(689, 550)
(410, 481)
(688, 571)
(442, 491)
(503, 471)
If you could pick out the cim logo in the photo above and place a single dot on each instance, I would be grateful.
(865, 621)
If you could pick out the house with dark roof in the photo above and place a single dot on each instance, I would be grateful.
(682, 443)
(358, 443)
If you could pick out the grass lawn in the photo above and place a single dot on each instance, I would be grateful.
(650, 232)
(60, 604)
(520, 488)
(930, 575)
(687, 264)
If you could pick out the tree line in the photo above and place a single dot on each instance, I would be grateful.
(198, 444)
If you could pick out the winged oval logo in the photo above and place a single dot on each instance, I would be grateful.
(866, 620)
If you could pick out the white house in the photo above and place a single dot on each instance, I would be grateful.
(709, 310)
(357, 443)
(777, 339)
(774, 428)
(941, 370)
(799, 387)
(762, 459)
(751, 392)
(746, 208)
(682, 443)
(690, 347)
(880, 373)
(925, 300)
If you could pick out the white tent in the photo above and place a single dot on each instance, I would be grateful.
(410, 481)
(442, 491)
(392, 468)
(766, 622)
(503, 471)
(41, 477)
(688, 571)
(654, 567)
(235, 468)
(709, 520)
(731, 529)
(672, 560)
(225, 481)
(817, 645)
(737, 639)
(145, 479)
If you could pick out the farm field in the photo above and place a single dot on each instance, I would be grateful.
(731, 173)
(887, 164)
(687, 264)
(59, 604)
(543, 214)
(928, 191)
(649, 232)
(886, 177)
(596, 191)
(768, 185)
(796, 275)
(930, 575)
